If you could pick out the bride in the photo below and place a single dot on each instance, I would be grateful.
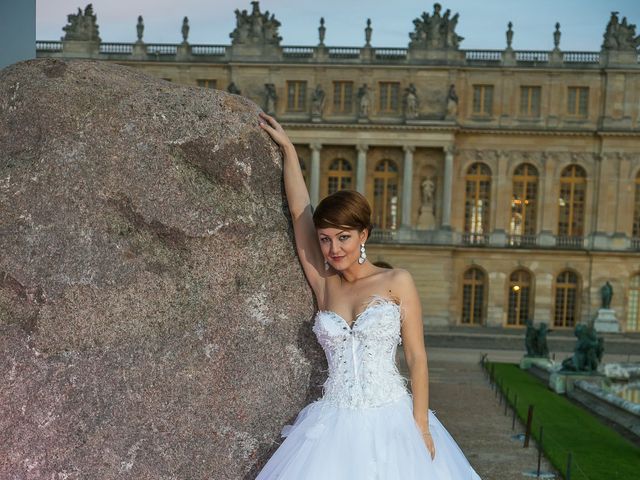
(366, 425)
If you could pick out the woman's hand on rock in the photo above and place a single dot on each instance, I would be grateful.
(273, 128)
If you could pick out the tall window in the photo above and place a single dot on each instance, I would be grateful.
(477, 199)
(633, 312)
(483, 100)
(389, 97)
(340, 175)
(573, 190)
(530, 101)
(520, 300)
(342, 97)
(207, 83)
(524, 201)
(385, 194)
(473, 295)
(578, 101)
(296, 96)
(636, 209)
(567, 294)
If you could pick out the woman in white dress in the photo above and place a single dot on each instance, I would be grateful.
(366, 425)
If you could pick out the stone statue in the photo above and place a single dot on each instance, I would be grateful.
(270, 98)
(233, 88)
(509, 35)
(411, 102)
(140, 28)
(255, 28)
(535, 340)
(364, 101)
(322, 30)
(556, 36)
(588, 351)
(82, 26)
(435, 30)
(452, 103)
(317, 102)
(606, 293)
(367, 33)
(185, 30)
(619, 35)
(426, 217)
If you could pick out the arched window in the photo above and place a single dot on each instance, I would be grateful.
(476, 205)
(636, 209)
(473, 296)
(524, 204)
(573, 190)
(385, 195)
(633, 312)
(520, 300)
(567, 296)
(340, 175)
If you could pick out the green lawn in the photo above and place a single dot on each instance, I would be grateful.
(598, 452)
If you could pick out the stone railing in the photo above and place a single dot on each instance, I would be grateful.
(311, 54)
(536, 241)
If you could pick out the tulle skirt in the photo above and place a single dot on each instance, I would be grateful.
(327, 442)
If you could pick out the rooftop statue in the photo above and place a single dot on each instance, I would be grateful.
(620, 35)
(436, 30)
(82, 26)
(255, 28)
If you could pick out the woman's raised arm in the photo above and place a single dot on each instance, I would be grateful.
(300, 207)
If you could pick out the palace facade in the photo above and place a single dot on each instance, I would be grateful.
(506, 181)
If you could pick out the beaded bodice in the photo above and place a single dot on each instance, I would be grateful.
(361, 357)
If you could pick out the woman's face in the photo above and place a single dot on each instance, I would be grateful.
(341, 247)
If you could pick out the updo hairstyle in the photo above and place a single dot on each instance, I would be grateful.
(346, 209)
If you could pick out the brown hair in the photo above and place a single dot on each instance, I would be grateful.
(344, 209)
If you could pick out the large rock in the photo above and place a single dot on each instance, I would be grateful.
(154, 320)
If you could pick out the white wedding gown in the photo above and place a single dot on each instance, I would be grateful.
(362, 428)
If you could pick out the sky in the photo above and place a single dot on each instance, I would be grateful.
(482, 22)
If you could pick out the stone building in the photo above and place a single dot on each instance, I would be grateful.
(506, 181)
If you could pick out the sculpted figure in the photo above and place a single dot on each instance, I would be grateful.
(233, 88)
(270, 98)
(411, 101)
(588, 351)
(606, 293)
(317, 101)
(364, 101)
(452, 102)
(82, 26)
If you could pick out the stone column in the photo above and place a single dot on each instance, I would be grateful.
(407, 185)
(314, 181)
(447, 186)
(361, 168)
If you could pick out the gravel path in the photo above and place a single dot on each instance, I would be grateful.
(463, 401)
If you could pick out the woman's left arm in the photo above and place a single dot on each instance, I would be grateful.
(414, 351)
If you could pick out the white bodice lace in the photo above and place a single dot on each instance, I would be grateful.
(361, 357)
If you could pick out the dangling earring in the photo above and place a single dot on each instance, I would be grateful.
(363, 254)
(326, 265)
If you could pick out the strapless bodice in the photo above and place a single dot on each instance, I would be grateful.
(361, 357)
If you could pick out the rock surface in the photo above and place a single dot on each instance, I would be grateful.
(154, 320)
